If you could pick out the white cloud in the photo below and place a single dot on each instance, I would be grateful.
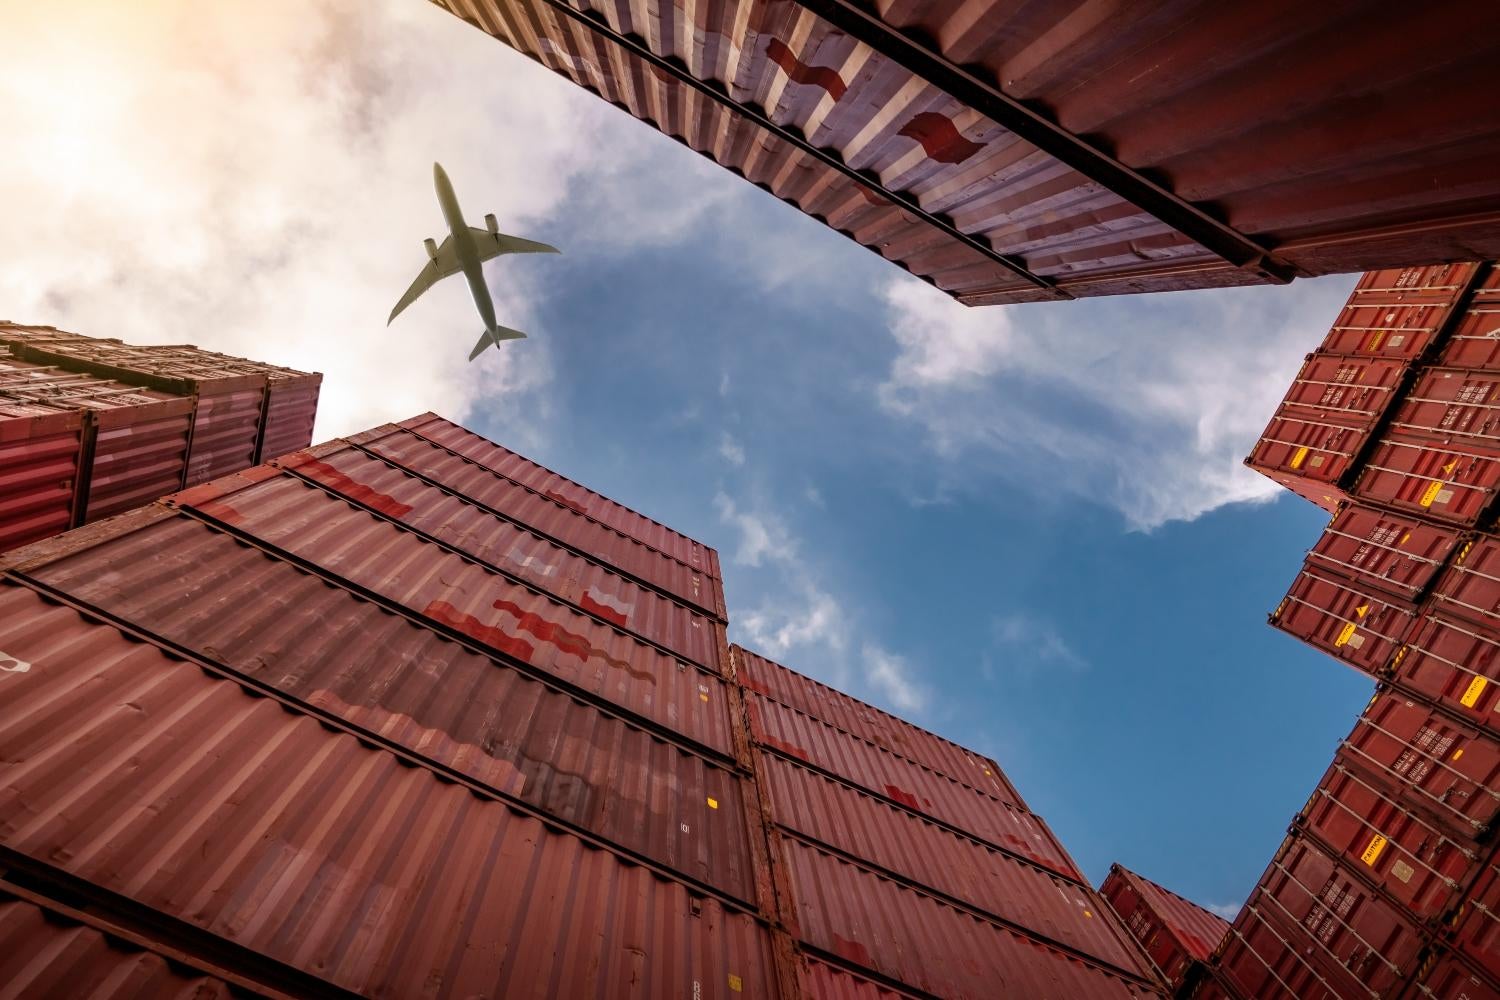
(815, 497)
(1146, 404)
(892, 677)
(763, 536)
(730, 449)
(1035, 641)
(1226, 910)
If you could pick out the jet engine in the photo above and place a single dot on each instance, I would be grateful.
(492, 223)
(431, 245)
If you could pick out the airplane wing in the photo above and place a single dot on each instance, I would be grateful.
(494, 244)
(439, 267)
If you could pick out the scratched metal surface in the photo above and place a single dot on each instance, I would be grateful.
(928, 944)
(538, 562)
(1014, 886)
(1268, 117)
(590, 538)
(182, 791)
(870, 723)
(45, 955)
(580, 499)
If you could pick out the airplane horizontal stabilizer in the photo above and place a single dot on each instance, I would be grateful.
(486, 339)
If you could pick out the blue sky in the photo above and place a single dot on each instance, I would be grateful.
(1026, 528)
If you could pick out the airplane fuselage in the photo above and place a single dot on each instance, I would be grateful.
(463, 245)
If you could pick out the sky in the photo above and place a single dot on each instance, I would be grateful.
(1027, 528)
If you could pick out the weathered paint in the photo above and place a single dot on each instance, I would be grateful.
(186, 794)
(845, 712)
(1345, 618)
(140, 455)
(40, 452)
(1395, 553)
(1174, 931)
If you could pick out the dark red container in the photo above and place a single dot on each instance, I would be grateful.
(1460, 405)
(1399, 313)
(1428, 761)
(521, 554)
(1395, 553)
(1470, 589)
(1475, 932)
(41, 450)
(1475, 342)
(1450, 482)
(1349, 620)
(280, 832)
(1264, 957)
(1414, 862)
(547, 518)
(1174, 932)
(1454, 664)
(1355, 388)
(763, 676)
(1448, 978)
(1311, 455)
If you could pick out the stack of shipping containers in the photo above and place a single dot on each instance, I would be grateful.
(1179, 936)
(1385, 885)
(407, 714)
(90, 428)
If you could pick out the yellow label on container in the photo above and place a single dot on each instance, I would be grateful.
(1298, 457)
(1430, 494)
(1375, 340)
(1404, 538)
(1458, 753)
(1377, 844)
(736, 983)
(1345, 634)
(713, 803)
(703, 697)
(1361, 611)
(1473, 691)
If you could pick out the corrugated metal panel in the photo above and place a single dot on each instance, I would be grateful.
(546, 517)
(45, 955)
(1413, 862)
(1395, 553)
(1309, 455)
(1452, 405)
(1455, 665)
(1196, 931)
(1399, 313)
(225, 430)
(186, 794)
(1026, 895)
(40, 451)
(1448, 978)
(1475, 343)
(446, 704)
(1454, 483)
(901, 125)
(1345, 619)
(291, 410)
(1166, 953)
(1429, 761)
(140, 455)
(1210, 989)
(821, 981)
(169, 556)
(1470, 589)
(582, 500)
(886, 731)
(915, 939)
(1263, 959)
(885, 774)
(1475, 930)
(512, 549)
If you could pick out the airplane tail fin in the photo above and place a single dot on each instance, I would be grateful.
(494, 336)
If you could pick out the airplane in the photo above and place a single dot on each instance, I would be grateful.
(465, 249)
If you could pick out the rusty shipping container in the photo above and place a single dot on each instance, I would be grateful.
(544, 516)
(1016, 154)
(290, 835)
(1427, 761)
(1474, 931)
(886, 731)
(1447, 977)
(1395, 553)
(1403, 314)
(390, 492)
(1475, 341)
(1346, 619)
(1178, 935)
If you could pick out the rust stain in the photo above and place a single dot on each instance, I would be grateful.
(490, 635)
(801, 72)
(604, 611)
(940, 138)
(902, 796)
(571, 504)
(526, 621)
(853, 951)
(785, 747)
(220, 511)
(329, 476)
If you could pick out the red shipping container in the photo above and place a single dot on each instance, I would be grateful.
(545, 517)
(139, 453)
(1459, 405)
(1409, 858)
(251, 820)
(1399, 312)
(1210, 988)
(1451, 482)
(1450, 979)
(1262, 957)
(507, 464)
(1345, 619)
(41, 450)
(1428, 761)
(1396, 553)
(820, 980)
(845, 712)
(1310, 455)
(1476, 927)
(1455, 665)
(1475, 343)
(1018, 885)
(352, 550)
(1174, 932)
(511, 549)
(915, 939)
(1470, 590)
